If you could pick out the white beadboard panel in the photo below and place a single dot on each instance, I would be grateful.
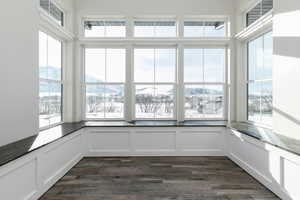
(58, 158)
(18, 180)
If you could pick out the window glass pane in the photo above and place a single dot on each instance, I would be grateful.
(145, 105)
(214, 29)
(194, 101)
(193, 65)
(164, 98)
(154, 101)
(204, 29)
(256, 59)
(95, 95)
(214, 65)
(102, 28)
(254, 101)
(154, 29)
(43, 55)
(165, 29)
(95, 65)
(50, 89)
(214, 101)
(116, 64)
(267, 56)
(144, 65)
(165, 65)
(193, 29)
(114, 101)
(266, 102)
(54, 59)
(44, 104)
(55, 103)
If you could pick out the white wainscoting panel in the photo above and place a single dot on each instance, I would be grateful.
(267, 163)
(30, 176)
(148, 141)
(57, 159)
(114, 141)
(18, 180)
(200, 143)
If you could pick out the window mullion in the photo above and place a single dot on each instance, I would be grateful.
(180, 84)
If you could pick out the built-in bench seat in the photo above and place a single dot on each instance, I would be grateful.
(34, 164)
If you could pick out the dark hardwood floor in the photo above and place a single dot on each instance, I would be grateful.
(158, 178)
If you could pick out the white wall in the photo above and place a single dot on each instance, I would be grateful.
(287, 67)
(18, 70)
(19, 66)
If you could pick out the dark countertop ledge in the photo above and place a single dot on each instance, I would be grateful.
(22, 147)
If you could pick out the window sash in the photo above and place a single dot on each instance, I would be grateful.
(48, 80)
(260, 81)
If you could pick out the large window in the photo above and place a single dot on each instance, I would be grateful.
(204, 29)
(154, 78)
(53, 11)
(105, 79)
(260, 101)
(263, 7)
(50, 74)
(104, 28)
(204, 72)
(154, 72)
(155, 29)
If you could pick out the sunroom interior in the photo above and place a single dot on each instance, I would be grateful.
(154, 100)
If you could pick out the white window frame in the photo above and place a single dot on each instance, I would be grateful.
(103, 18)
(61, 82)
(223, 84)
(106, 83)
(179, 43)
(174, 84)
(204, 19)
(247, 81)
(157, 19)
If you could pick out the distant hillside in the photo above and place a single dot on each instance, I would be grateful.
(54, 73)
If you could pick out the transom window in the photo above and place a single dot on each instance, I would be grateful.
(104, 28)
(155, 29)
(105, 79)
(260, 98)
(204, 29)
(262, 8)
(50, 75)
(53, 10)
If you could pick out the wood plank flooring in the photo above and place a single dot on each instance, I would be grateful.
(158, 178)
